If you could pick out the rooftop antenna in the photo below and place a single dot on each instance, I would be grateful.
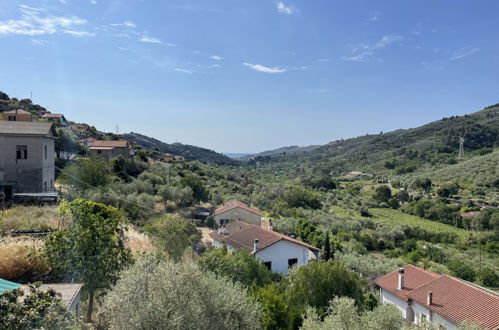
(461, 148)
(117, 130)
(31, 96)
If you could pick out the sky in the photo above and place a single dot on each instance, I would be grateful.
(251, 75)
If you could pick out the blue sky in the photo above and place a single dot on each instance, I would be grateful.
(251, 75)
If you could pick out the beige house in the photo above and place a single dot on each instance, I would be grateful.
(56, 118)
(26, 157)
(79, 129)
(17, 115)
(110, 148)
(237, 210)
(10, 103)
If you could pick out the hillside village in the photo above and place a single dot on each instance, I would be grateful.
(400, 228)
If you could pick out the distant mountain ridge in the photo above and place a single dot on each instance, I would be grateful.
(284, 150)
(189, 152)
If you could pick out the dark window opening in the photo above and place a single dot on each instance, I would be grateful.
(292, 262)
(21, 152)
(268, 264)
(12, 118)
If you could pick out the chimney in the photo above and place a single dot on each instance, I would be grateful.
(401, 279)
(255, 245)
(429, 298)
(271, 226)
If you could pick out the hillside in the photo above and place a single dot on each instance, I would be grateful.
(405, 150)
(179, 149)
(286, 150)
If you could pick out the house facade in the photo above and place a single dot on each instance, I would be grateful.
(26, 157)
(276, 251)
(422, 295)
(110, 148)
(56, 118)
(237, 210)
(17, 115)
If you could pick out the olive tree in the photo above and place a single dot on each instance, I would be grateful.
(154, 294)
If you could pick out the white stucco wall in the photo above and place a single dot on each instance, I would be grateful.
(280, 252)
(389, 298)
(238, 213)
(431, 316)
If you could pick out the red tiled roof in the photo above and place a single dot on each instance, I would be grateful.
(234, 204)
(413, 278)
(110, 143)
(459, 301)
(241, 235)
(101, 148)
(452, 298)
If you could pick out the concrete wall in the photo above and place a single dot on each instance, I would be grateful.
(19, 116)
(111, 153)
(279, 253)
(238, 213)
(31, 175)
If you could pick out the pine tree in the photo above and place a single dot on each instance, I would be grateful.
(327, 247)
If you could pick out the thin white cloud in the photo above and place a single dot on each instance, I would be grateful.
(125, 23)
(216, 58)
(39, 42)
(284, 9)
(171, 44)
(182, 70)
(63, 2)
(79, 34)
(212, 66)
(463, 53)
(150, 40)
(366, 52)
(33, 23)
(266, 69)
(93, 2)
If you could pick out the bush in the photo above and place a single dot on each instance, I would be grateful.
(461, 270)
(156, 294)
(489, 277)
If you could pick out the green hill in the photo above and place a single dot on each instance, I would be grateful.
(179, 149)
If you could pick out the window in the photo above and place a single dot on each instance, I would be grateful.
(292, 262)
(51, 184)
(45, 152)
(268, 264)
(21, 152)
(422, 318)
(12, 118)
(44, 185)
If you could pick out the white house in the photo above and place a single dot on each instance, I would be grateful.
(278, 252)
(422, 295)
(237, 210)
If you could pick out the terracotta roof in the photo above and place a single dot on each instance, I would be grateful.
(26, 128)
(413, 278)
(457, 301)
(452, 298)
(241, 235)
(234, 204)
(18, 112)
(110, 143)
(101, 148)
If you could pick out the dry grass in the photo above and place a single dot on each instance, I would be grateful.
(138, 242)
(29, 218)
(20, 258)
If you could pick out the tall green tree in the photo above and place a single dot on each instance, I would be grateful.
(327, 247)
(174, 235)
(91, 248)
